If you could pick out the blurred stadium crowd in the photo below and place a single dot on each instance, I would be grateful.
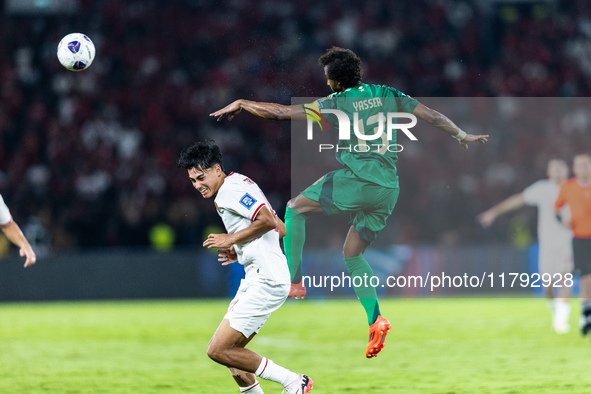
(89, 159)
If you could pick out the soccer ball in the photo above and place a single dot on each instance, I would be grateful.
(75, 52)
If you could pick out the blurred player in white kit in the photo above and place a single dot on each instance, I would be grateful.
(555, 241)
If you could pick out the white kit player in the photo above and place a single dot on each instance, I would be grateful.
(253, 239)
(15, 235)
(555, 241)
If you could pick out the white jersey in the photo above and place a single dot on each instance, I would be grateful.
(5, 217)
(542, 194)
(238, 202)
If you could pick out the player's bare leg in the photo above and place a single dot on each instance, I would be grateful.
(305, 206)
(586, 287)
(298, 209)
(243, 378)
(226, 347)
(549, 293)
(246, 380)
(354, 244)
(379, 327)
(586, 304)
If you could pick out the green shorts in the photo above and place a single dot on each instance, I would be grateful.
(342, 192)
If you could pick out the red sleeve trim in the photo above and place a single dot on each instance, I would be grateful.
(256, 211)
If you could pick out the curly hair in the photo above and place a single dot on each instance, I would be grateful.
(342, 65)
(201, 155)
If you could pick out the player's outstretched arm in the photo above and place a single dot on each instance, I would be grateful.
(512, 203)
(270, 111)
(442, 122)
(16, 236)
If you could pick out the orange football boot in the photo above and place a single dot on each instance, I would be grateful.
(377, 336)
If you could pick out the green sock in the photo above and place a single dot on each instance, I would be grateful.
(367, 295)
(293, 242)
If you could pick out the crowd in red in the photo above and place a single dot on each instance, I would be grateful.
(92, 155)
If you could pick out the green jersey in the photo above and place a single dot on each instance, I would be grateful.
(373, 159)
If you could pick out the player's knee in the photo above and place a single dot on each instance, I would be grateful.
(348, 255)
(352, 251)
(346, 252)
(292, 203)
(215, 353)
(304, 205)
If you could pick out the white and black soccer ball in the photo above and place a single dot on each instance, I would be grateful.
(76, 52)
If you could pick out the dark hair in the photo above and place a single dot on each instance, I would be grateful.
(201, 155)
(343, 66)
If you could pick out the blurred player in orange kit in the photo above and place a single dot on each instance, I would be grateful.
(576, 192)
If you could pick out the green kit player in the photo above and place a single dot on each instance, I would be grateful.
(366, 188)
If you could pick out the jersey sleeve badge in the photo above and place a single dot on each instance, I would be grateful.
(247, 201)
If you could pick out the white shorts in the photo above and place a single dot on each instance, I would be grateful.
(253, 304)
(555, 259)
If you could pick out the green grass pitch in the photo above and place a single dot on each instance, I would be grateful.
(435, 346)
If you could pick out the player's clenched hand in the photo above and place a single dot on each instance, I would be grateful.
(567, 223)
(218, 241)
(227, 256)
(27, 251)
(486, 218)
(229, 110)
(473, 138)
